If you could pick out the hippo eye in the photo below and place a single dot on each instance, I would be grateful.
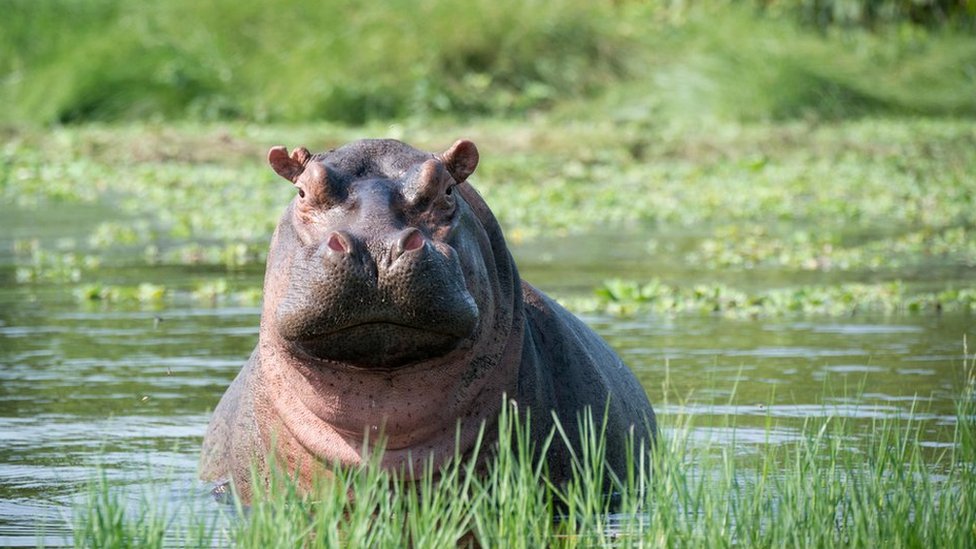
(447, 201)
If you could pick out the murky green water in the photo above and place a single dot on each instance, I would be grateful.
(129, 388)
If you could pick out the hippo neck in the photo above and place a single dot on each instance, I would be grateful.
(430, 408)
(417, 411)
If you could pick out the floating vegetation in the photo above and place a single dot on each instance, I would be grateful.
(753, 246)
(42, 265)
(853, 197)
(628, 297)
(231, 255)
(145, 293)
(210, 293)
(120, 233)
(908, 181)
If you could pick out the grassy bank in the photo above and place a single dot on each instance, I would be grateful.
(67, 61)
(814, 489)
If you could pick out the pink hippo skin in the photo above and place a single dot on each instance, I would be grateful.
(392, 306)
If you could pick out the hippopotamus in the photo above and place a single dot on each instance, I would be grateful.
(393, 310)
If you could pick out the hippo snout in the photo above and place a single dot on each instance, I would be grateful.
(380, 302)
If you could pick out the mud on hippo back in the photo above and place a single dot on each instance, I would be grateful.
(392, 306)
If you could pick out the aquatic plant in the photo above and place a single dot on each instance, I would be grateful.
(750, 246)
(53, 266)
(854, 195)
(628, 297)
(145, 294)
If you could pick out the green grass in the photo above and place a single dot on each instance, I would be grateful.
(69, 61)
(107, 517)
(819, 490)
(301, 60)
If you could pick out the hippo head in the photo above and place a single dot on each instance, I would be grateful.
(379, 261)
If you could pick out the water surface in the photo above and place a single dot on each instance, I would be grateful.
(128, 389)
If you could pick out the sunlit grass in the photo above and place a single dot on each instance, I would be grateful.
(833, 484)
(64, 61)
(302, 60)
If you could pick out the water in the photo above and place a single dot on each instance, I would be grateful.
(129, 389)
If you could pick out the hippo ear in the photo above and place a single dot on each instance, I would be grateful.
(289, 167)
(461, 159)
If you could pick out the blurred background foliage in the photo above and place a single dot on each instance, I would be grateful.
(72, 61)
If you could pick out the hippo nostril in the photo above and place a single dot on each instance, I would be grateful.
(410, 240)
(413, 242)
(338, 243)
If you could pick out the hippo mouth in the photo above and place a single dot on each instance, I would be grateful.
(380, 344)
(344, 313)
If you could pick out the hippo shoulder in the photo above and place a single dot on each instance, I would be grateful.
(561, 337)
(579, 368)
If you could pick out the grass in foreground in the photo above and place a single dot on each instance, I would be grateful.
(817, 491)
